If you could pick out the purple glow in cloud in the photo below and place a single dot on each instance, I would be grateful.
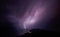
(31, 18)
(35, 12)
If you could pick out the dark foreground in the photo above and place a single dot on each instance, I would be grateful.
(41, 33)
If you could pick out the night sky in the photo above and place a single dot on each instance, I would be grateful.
(21, 16)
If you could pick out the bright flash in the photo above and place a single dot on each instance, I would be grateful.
(29, 21)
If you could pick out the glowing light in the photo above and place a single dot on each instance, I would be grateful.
(28, 21)
(33, 18)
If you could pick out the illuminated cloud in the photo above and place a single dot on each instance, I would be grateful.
(30, 19)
